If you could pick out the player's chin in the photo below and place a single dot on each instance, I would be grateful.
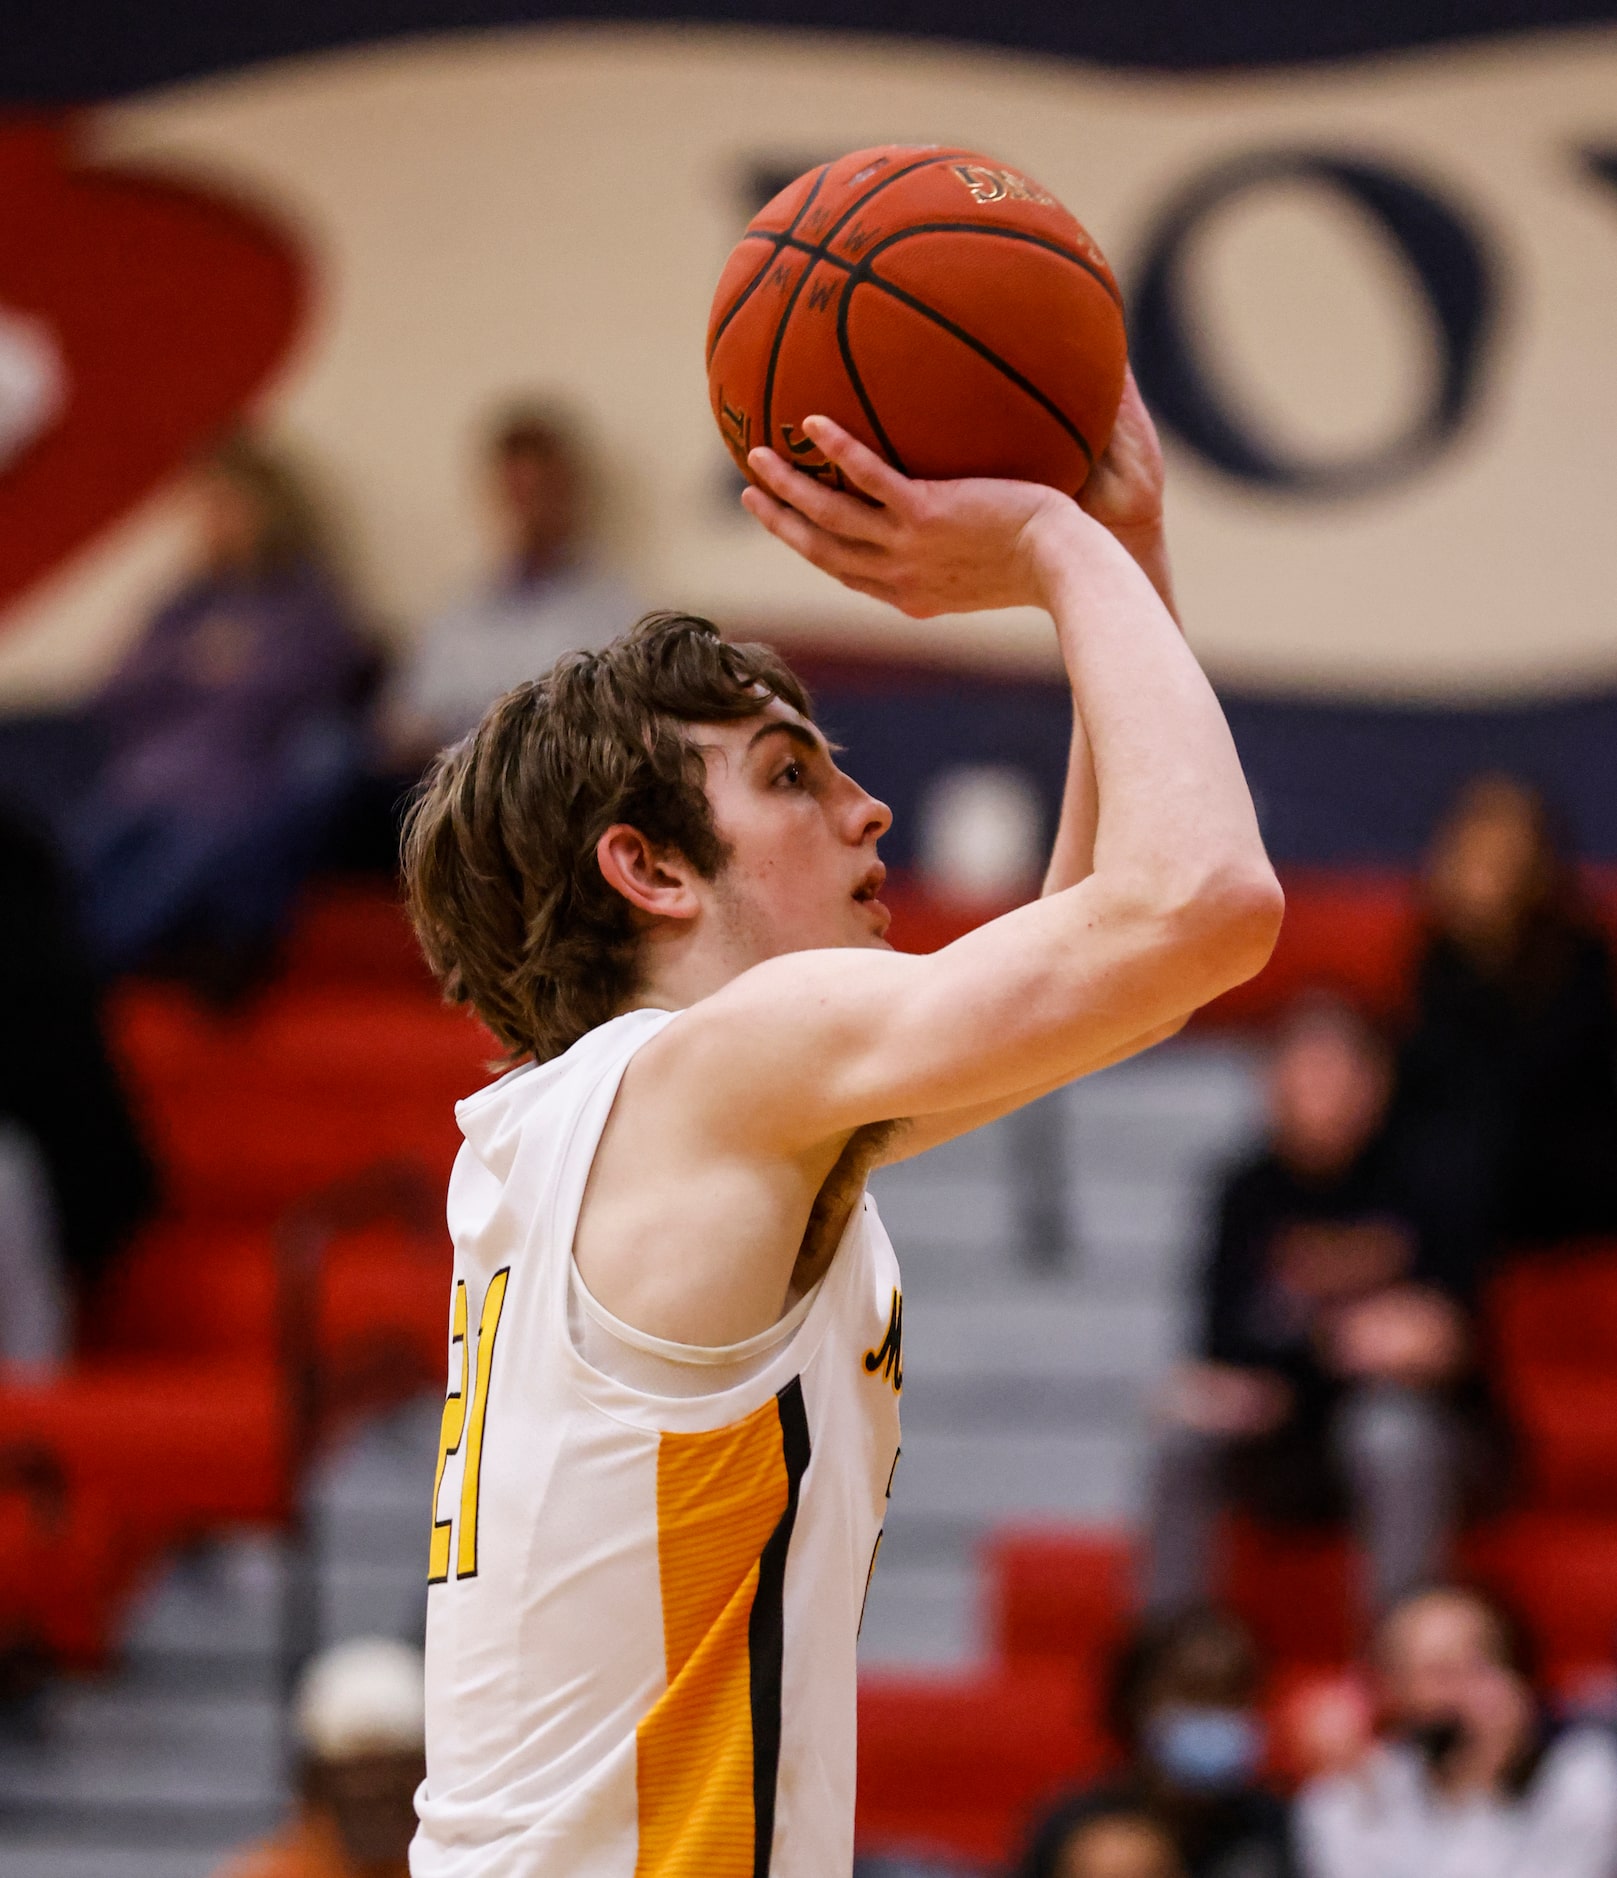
(870, 923)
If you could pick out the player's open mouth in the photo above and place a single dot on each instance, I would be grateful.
(865, 895)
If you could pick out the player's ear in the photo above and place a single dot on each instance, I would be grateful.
(655, 881)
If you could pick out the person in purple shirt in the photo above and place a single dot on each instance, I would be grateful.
(229, 736)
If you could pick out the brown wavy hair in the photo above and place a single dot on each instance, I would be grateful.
(500, 873)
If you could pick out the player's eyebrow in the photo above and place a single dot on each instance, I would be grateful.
(798, 733)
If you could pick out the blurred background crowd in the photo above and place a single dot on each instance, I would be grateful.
(1258, 1510)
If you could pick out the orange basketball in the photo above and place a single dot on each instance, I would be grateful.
(946, 310)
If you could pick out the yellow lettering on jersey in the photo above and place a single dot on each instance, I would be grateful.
(888, 1359)
(451, 1429)
(471, 1478)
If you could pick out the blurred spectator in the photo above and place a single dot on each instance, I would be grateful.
(1335, 1341)
(1507, 1102)
(1115, 1840)
(361, 1728)
(544, 599)
(230, 735)
(1468, 1781)
(1183, 1708)
(77, 1178)
(34, 1319)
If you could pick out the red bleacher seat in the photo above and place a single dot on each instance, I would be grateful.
(1560, 1572)
(1558, 1308)
(355, 933)
(1553, 1317)
(957, 1766)
(202, 1286)
(256, 1157)
(177, 1420)
(1065, 1593)
(250, 1114)
(173, 1446)
(64, 1564)
(1295, 1588)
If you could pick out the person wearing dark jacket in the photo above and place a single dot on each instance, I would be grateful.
(1182, 1706)
(59, 1088)
(1335, 1349)
(228, 736)
(1507, 1088)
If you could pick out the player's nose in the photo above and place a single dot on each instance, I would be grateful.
(871, 816)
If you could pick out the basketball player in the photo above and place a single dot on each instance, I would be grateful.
(676, 1321)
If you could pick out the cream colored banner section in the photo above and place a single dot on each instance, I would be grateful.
(549, 209)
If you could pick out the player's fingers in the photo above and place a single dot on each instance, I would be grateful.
(832, 509)
(824, 550)
(877, 589)
(862, 467)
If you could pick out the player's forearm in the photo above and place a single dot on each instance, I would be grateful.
(922, 1132)
(1148, 548)
(1174, 827)
(1072, 855)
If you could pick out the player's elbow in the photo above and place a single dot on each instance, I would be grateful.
(1227, 919)
(1216, 924)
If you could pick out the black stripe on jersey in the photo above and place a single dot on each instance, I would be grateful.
(766, 1629)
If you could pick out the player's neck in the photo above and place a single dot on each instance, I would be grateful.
(681, 965)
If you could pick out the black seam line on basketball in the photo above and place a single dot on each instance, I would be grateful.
(766, 1628)
(864, 278)
(955, 228)
(766, 426)
(747, 292)
(741, 300)
(845, 347)
(994, 234)
(823, 251)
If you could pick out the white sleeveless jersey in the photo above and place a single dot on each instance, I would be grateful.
(643, 1609)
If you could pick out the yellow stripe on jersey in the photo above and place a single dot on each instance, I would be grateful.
(720, 1496)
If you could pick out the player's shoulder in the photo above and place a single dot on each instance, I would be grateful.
(794, 1001)
(757, 1060)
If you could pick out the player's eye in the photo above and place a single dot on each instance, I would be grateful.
(794, 775)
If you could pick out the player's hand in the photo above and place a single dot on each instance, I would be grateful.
(924, 547)
(1124, 490)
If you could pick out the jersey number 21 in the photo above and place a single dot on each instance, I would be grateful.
(476, 1366)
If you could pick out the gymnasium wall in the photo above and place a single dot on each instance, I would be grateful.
(1374, 298)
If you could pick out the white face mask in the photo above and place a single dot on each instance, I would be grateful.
(1205, 1750)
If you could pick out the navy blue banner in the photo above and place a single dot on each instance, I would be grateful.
(1336, 784)
(87, 49)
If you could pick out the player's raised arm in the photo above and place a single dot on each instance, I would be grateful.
(1124, 493)
(1179, 904)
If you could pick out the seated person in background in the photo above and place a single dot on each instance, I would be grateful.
(1335, 1342)
(230, 735)
(361, 1729)
(1468, 1780)
(1182, 1706)
(1507, 1097)
(34, 1317)
(77, 1180)
(545, 598)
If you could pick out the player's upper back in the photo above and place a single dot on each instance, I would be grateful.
(641, 1584)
